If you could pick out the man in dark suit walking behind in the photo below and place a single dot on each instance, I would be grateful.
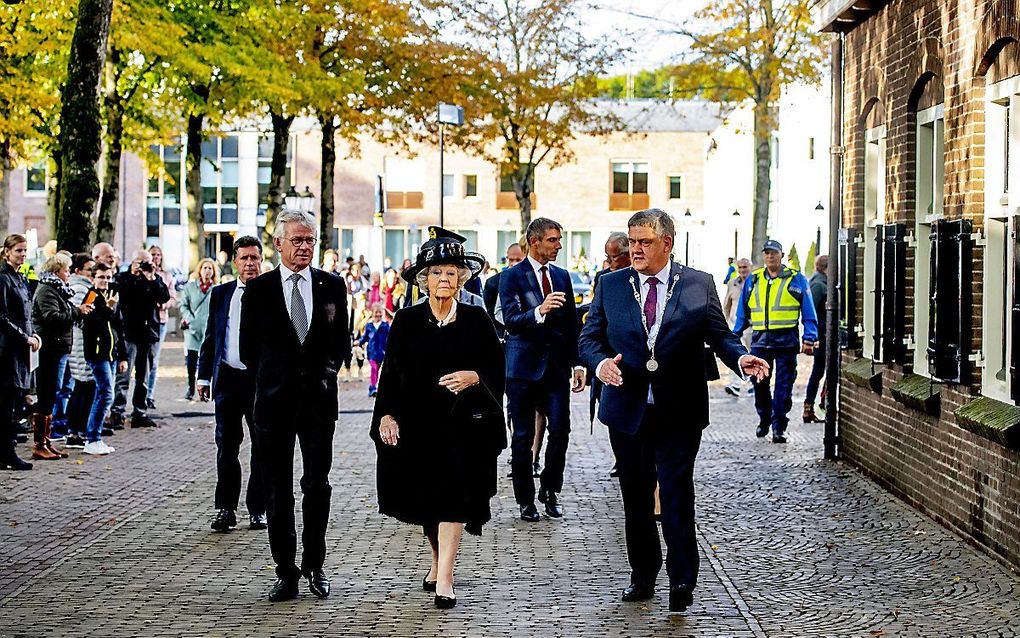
(645, 339)
(537, 300)
(294, 335)
(490, 292)
(233, 390)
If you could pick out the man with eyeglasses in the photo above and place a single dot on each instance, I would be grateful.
(294, 334)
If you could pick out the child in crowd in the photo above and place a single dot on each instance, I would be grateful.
(376, 333)
(104, 354)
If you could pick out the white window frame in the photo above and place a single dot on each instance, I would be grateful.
(1002, 203)
(453, 185)
(464, 182)
(874, 215)
(929, 185)
(630, 175)
(669, 187)
(46, 179)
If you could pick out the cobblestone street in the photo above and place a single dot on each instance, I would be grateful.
(792, 546)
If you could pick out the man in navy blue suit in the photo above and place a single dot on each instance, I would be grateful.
(645, 338)
(537, 301)
(233, 389)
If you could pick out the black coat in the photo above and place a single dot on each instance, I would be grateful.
(289, 373)
(15, 329)
(443, 469)
(138, 305)
(491, 295)
(101, 333)
(53, 316)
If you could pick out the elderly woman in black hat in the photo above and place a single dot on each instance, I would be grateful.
(438, 422)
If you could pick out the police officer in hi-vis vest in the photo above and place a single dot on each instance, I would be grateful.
(775, 299)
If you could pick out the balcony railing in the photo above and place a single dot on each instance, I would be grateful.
(402, 199)
(628, 201)
(508, 201)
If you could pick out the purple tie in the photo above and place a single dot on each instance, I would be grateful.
(651, 300)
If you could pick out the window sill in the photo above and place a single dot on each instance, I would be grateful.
(866, 374)
(919, 393)
(991, 419)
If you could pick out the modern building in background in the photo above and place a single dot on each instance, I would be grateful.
(929, 256)
(691, 158)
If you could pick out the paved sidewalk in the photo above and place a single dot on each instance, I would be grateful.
(793, 546)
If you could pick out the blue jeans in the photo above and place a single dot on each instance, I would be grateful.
(775, 408)
(65, 385)
(103, 373)
(154, 360)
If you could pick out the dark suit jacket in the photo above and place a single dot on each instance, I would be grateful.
(532, 347)
(289, 374)
(693, 318)
(490, 294)
(214, 346)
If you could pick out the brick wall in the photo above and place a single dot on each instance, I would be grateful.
(911, 55)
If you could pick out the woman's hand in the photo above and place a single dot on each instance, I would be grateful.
(389, 431)
(85, 308)
(457, 382)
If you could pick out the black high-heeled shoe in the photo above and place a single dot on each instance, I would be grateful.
(428, 585)
(446, 602)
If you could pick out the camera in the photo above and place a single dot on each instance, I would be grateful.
(145, 266)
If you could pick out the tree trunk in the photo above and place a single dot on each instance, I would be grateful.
(81, 125)
(106, 220)
(193, 186)
(327, 205)
(521, 181)
(277, 180)
(6, 166)
(764, 122)
(53, 190)
(110, 203)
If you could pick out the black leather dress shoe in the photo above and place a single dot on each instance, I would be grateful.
(636, 591)
(777, 437)
(318, 583)
(283, 590)
(762, 430)
(552, 504)
(530, 513)
(680, 598)
(224, 521)
(258, 521)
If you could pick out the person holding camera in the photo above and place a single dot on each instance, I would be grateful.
(141, 294)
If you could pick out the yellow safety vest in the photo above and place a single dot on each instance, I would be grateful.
(772, 305)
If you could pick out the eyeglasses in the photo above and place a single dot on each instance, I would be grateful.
(297, 242)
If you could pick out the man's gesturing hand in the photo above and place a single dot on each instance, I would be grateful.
(754, 367)
(552, 301)
(609, 371)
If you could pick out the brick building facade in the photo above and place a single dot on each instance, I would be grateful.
(929, 256)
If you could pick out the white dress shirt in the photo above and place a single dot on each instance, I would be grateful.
(537, 266)
(233, 355)
(305, 287)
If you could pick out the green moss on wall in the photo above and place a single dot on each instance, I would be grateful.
(917, 392)
(991, 419)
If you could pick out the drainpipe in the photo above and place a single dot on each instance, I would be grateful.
(835, 221)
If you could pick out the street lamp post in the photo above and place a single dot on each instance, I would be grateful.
(736, 233)
(448, 114)
(818, 232)
(687, 239)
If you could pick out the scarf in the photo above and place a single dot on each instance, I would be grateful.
(62, 286)
(204, 287)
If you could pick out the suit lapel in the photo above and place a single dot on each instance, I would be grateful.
(318, 303)
(676, 272)
(276, 283)
(633, 305)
